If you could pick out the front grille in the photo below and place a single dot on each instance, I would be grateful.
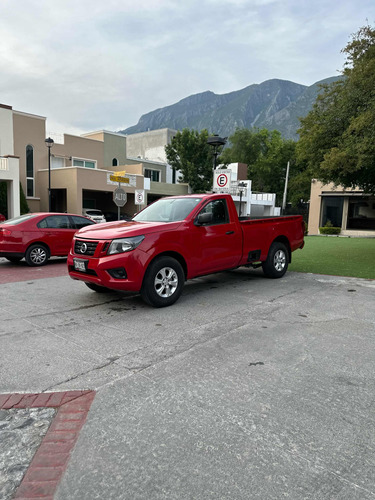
(85, 247)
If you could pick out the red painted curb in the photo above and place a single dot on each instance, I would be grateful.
(13, 273)
(51, 459)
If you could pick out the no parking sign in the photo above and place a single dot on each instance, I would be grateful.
(139, 196)
(222, 180)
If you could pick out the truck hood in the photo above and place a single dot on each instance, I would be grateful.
(123, 229)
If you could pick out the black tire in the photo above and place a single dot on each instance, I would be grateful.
(97, 288)
(14, 260)
(277, 261)
(37, 255)
(163, 282)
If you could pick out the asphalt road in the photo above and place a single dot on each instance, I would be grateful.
(246, 388)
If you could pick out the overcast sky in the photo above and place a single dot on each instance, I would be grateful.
(90, 65)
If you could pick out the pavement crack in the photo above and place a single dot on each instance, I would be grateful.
(110, 361)
(282, 296)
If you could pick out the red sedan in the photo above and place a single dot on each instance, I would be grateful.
(38, 236)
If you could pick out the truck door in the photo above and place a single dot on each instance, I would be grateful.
(218, 244)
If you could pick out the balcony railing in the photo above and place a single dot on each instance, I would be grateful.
(4, 164)
(263, 196)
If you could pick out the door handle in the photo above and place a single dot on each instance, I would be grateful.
(229, 232)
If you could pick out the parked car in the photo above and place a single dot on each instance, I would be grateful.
(179, 238)
(94, 214)
(38, 236)
(2, 218)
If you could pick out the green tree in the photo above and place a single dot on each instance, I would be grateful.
(337, 137)
(267, 154)
(192, 156)
(24, 207)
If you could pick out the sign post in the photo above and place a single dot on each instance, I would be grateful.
(120, 198)
(119, 195)
(119, 177)
(139, 196)
(222, 180)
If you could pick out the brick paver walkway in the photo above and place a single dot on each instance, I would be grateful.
(51, 459)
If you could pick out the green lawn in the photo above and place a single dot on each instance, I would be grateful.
(336, 256)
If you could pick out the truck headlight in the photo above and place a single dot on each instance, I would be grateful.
(122, 245)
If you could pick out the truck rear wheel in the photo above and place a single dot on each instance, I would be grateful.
(277, 261)
(163, 282)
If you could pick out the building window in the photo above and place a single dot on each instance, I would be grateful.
(361, 213)
(153, 175)
(114, 162)
(57, 162)
(77, 162)
(332, 207)
(29, 170)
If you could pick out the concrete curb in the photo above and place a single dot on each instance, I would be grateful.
(51, 459)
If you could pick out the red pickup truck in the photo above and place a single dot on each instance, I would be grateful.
(178, 238)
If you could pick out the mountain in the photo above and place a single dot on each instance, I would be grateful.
(273, 104)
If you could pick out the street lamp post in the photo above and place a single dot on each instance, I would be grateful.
(215, 141)
(49, 143)
(241, 187)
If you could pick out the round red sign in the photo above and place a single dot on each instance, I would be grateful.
(222, 180)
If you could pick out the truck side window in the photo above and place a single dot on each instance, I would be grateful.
(219, 210)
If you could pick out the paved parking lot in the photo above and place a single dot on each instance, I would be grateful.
(245, 388)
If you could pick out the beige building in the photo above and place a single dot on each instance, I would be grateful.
(80, 167)
(351, 209)
(150, 146)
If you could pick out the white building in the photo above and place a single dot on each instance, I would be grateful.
(233, 180)
(9, 163)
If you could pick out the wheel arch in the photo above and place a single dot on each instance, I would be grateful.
(42, 244)
(285, 241)
(174, 255)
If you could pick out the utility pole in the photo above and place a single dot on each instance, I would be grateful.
(285, 189)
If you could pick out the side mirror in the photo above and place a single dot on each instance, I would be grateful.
(203, 219)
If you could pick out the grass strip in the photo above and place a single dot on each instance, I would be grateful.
(337, 256)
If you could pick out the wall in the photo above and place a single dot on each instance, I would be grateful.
(150, 145)
(77, 179)
(6, 130)
(30, 129)
(317, 192)
(80, 147)
(114, 146)
(9, 172)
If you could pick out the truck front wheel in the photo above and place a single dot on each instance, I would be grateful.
(277, 261)
(163, 282)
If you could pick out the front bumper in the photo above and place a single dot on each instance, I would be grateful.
(102, 270)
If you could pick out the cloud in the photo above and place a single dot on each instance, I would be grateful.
(92, 64)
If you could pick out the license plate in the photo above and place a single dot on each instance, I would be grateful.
(80, 265)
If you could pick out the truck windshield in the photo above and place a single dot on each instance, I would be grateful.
(168, 210)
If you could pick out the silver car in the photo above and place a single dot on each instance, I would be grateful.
(94, 214)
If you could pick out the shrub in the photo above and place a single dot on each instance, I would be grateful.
(329, 228)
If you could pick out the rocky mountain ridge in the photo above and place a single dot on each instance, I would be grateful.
(273, 104)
